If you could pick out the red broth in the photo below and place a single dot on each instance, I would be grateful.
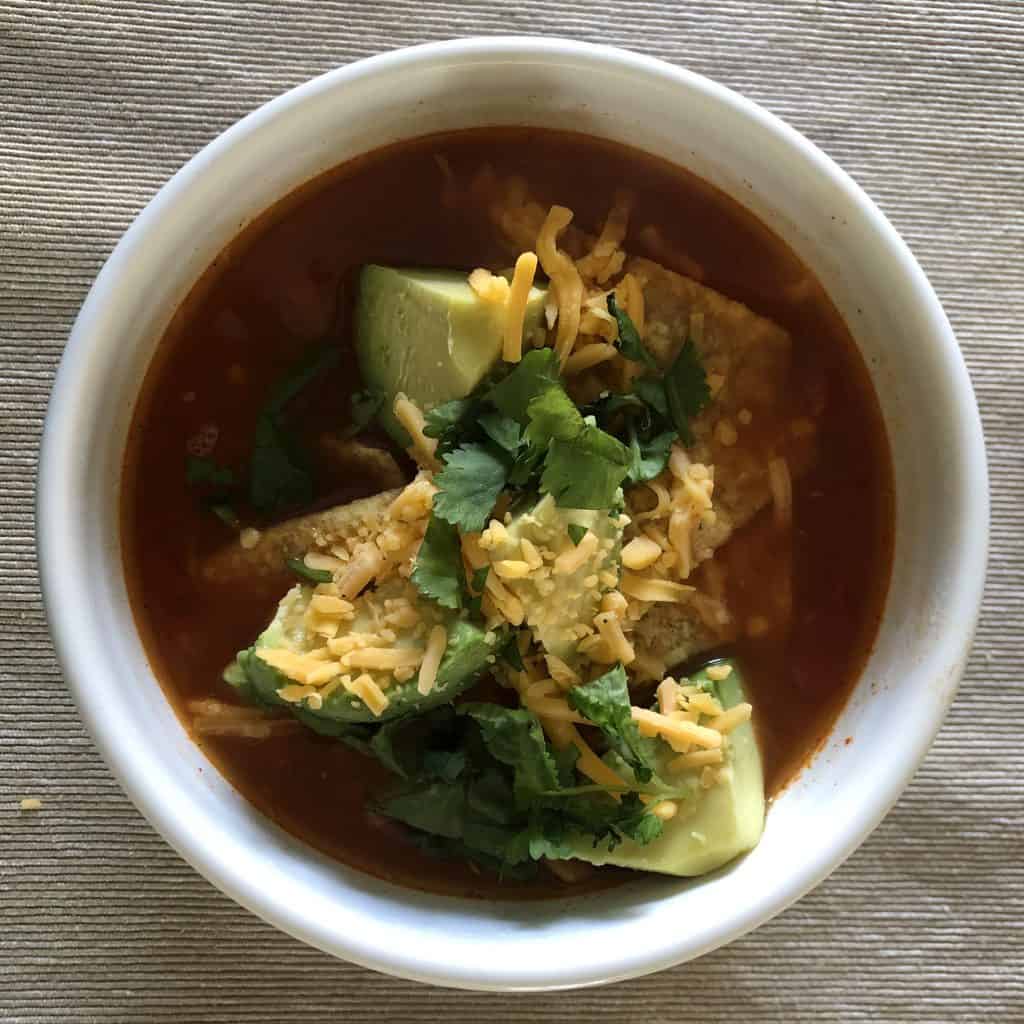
(287, 282)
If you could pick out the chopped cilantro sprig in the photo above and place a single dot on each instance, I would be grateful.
(660, 408)
(524, 432)
(482, 782)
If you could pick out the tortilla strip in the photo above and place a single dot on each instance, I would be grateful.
(751, 356)
(293, 538)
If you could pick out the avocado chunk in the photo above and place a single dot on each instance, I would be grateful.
(427, 334)
(717, 824)
(556, 602)
(467, 654)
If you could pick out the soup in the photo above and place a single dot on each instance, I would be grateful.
(619, 542)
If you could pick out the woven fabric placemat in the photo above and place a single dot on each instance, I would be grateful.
(102, 100)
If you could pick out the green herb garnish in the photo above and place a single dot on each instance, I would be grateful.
(303, 571)
(605, 701)
(484, 784)
(202, 471)
(468, 486)
(364, 406)
(576, 532)
(630, 344)
(438, 572)
(587, 471)
(475, 589)
(510, 653)
(279, 474)
(218, 483)
(226, 514)
(686, 389)
(534, 374)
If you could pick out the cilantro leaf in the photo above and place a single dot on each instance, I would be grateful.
(510, 653)
(303, 571)
(515, 738)
(605, 702)
(364, 407)
(446, 765)
(651, 390)
(475, 589)
(413, 746)
(610, 411)
(438, 571)
(438, 808)
(468, 486)
(443, 417)
(311, 365)
(526, 466)
(686, 389)
(576, 532)
(533, 375)
(483, 784)
(552, 416)
(630, 344)
(503, 431)
(587, 471)
(226, 514)
(218, 484)
(636, 822)
(278, 475)
(205, 472)
(647, 458)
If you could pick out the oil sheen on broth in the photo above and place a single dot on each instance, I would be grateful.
(287, 281)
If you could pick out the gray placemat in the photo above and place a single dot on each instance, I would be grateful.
(101, 101)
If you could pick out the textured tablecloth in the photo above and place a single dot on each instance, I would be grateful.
(100, 102)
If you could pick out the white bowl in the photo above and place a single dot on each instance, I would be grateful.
(929, 410)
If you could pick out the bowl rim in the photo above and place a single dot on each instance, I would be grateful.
(112, 739)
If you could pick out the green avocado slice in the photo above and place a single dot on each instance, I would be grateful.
(466, 656)
(718, 825)
(426, 333)
(553, 612)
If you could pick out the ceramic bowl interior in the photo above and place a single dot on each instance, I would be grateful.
(928, 408)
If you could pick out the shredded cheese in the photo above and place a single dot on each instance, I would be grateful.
(515, 306)
(640, 553)
(490, 287)
(565, 279)
(437, 641)
(366, 562)
(574, 556)
(384, 658)
(695, 759)
(680, 731)
(423, 449)
(610, 629)
(605, 259)
(368, 692)
(728, 720)
(654, 590)
(667, 693)
(587, 357)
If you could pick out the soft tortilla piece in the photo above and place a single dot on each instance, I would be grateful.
(293, 538)
(345, 458)
(752, 356)
(751, 352)
(672, 634)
